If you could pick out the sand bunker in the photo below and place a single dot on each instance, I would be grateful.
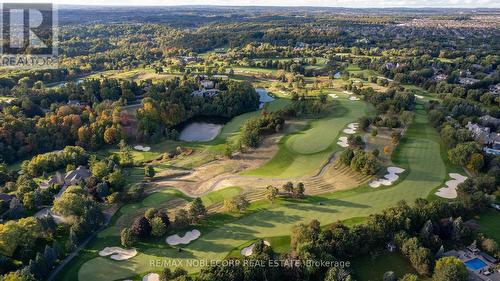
(351, 128)
(151, 277)
(188, 237)
(247, 251)
(117, 253)
(450, 190)
(353, 98)
(343, 142)
(389, 178)
(142, 148)
(333, 96)
(419, 96)
(347, 93)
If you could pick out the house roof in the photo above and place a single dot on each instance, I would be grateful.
(6, 197)
(78, 174)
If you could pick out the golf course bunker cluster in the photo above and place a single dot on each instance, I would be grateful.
(248, 251)
(343, 142)
(151, 277)
(351, 128)
(450, 190)
(185, 240)
(142, 148)
(389, 178)
(117, 253)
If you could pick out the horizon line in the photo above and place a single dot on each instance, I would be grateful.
(277, 6)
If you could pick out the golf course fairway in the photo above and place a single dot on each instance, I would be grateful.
(419, 153)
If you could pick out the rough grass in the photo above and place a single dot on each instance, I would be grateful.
(219, 196)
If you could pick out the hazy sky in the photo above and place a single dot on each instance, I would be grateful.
(324, 3)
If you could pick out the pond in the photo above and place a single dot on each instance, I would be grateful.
(263, 96)
(200, 131)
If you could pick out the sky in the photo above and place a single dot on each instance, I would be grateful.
(319, 3)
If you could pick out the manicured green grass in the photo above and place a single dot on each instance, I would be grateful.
(418, 152)
(490, 224)
(304, 152)
(370, 268)
(219, 196)
(321, 134)
(110, 237)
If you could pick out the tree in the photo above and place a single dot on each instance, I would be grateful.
(450, 269)
(127, 238)
(196, 210)
(337, 274)
(141, 228)
(396, 136)
(149, 171)
(99, 169)
(271, 193)
(72, 203)
(236, 204)
(158, 227)
(126, 157)
(489, 245)
(288, 187)
(299, 190)
(151, 213)
(181, 218)
(387, 150)
(346, 156)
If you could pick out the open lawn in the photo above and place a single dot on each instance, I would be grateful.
(372, 268)
(304, 152)
(490, 224)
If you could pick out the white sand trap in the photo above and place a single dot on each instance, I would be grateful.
(151, 277)
(354, 98)
(333, 96)
(419, 97)
(343, 142)
(247, 251)
(450, 190)
(347, 93)
(142, 148)
(351, 128)
(117, 253)
(389, 178)
(188, 237)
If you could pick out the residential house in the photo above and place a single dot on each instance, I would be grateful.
(479, 132)
(207, 84)
(490, 121)
(70, 178)
(205, 93)
(6, 198)
(495, 89)
(467, 81)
